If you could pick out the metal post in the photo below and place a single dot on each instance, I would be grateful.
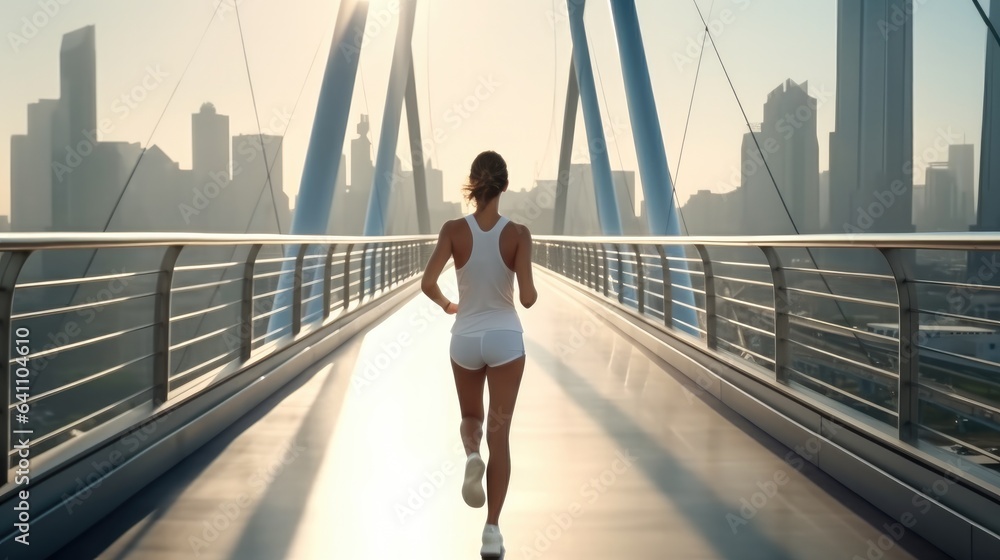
(621, 275)
(161, 329)
(781, 309)
(385, 158)
(297, 290)
(566, 151)
(604, 187)
(346, 281)
(382, 273)
(909, 346)
(246, 303)
(657, 187)
(328, 281)
(319, 173)
(640, 280)
(417, 153)
(590, 265)
(10, 268)
(604, 273)
(711, 319)
(667, 288)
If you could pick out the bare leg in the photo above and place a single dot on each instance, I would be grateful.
(469, 384)
(504, 383)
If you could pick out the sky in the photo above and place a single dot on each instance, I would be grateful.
(505, 62)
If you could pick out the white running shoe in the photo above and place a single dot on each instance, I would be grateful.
(492, 542)
(472, 489)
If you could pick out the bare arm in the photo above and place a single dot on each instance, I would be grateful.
(439, 258)
(522, 267)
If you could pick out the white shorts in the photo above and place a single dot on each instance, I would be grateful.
(490, 348)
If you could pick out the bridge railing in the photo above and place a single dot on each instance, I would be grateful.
(96, 326)
(899, 334)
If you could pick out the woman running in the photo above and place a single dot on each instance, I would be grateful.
(486, 343)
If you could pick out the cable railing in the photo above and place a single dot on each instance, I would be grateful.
(898, 333)
(100, 324)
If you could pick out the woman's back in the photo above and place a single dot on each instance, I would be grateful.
(485, 256)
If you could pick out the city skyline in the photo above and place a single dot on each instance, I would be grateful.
(65, 179)
(279, 74)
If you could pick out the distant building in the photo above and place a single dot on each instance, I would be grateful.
(940, 198)
(871, 146)
(31, 170)
(763, 212)
(75, 133)
(988, 210)
(824, 201)
(711, 213)
(209, 143)
(792, 151)
(920, 214)
(961, 162)
(362, 178)
(258, 185)
(988, 202)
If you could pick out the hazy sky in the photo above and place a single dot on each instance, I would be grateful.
(520, 48)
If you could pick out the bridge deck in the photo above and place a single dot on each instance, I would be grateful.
(615, 456)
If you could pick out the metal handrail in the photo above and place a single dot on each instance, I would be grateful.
(889, 366)
(174, 352)
(964, 241)
(87, 240)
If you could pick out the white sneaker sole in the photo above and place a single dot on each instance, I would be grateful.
(491, 555)
(472, 489)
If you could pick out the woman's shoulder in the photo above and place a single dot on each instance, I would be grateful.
(451, 226)
(520, 229)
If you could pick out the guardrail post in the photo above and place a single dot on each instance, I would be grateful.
(711, 318)
(366, 275)
(246, 303)
(577, 264)
(346, 280)
(589, 251)
(383, 276)
(909, 347)
(781, 310)
(667, 289)
(328, 281)
(640, 280)
(297, 290)
(161, 328)
(10, 269)
(621, 276)
(604, 273)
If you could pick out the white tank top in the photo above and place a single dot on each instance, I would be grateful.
(485, 285)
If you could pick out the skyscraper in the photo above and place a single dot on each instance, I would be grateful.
(764, 212)
(988, 204)
(789, 134)
(988, 211)
(940, 198)
(362, 175)
(872, 144)
(74, 129)
(258, 176)
(961, 163)
(209, 144)
(31, 170)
